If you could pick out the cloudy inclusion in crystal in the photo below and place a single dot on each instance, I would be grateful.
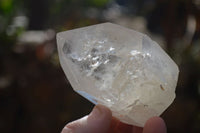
(120, 68)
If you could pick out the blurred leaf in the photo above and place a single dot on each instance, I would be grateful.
(98, 3)
(6, 6)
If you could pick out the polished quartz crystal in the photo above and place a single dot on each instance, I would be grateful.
(120, 68)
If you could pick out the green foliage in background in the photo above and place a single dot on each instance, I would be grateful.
(97, 3)
(6, 6)
(8, 32)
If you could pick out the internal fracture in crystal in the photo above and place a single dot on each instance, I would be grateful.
(120, 68)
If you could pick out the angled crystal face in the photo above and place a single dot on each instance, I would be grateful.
(120, 68)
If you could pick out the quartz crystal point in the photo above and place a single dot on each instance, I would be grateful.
(120, 68)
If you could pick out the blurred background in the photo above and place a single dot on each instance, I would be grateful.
(35, 95)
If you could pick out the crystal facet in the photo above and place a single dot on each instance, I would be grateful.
(120, 68)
